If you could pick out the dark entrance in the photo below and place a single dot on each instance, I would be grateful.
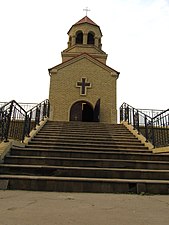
(87, 112)
(83, 111)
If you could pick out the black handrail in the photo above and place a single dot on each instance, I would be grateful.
(17, 123)
(155, 129)
(25, 106)
(35, 115)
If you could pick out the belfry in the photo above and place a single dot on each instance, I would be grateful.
(83, 87)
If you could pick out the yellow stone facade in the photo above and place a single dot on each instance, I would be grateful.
(83, 84)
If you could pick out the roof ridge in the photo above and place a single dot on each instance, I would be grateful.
(86, 19)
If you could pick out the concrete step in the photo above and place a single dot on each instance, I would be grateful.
(85, 145)
(87, 162)
(81, 124)
(85, 131)
(86, 127)
(86, 141)
(88, 135)
(85, 172)
(91, 185)
(36, 150)
(79, 145)
(89, 154)
(83, 137)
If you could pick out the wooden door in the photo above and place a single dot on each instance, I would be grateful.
(76, 112)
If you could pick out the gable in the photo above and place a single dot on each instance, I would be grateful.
(83, 62)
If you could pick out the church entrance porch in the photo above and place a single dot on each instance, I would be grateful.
(82, 111)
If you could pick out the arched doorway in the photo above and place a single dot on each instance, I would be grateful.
(82, 111)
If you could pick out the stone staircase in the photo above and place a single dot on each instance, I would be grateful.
(85, 157)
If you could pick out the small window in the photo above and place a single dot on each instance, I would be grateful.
(90, 38)
(79, 38)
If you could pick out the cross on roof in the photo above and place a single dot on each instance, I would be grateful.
(87, 10)
(83, 85)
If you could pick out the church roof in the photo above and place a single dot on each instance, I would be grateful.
(86, 20)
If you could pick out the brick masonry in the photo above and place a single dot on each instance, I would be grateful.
(80, 62)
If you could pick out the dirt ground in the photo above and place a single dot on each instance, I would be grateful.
(53, 208)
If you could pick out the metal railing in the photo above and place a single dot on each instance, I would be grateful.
(25, 106)
(16, 122)
(151, 112)
(161, 129)
(155, 129)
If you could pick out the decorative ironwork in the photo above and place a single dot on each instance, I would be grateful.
(155, 129)
(16, 122)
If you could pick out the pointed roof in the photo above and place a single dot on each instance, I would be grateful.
(86, 20)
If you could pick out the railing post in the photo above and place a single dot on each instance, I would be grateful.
(1, 120)
(48, 109)
(152, 133)
(37, 117)
(134, 121)
(25, 128)
(44, 110)
(6, 124)
(167, 130)
(127, 114)
(121, 113)
(146, 128)
(27, 125)
(29, 122)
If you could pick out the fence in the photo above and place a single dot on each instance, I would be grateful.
(155, 128)
(16, 122)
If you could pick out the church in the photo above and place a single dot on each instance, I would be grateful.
(83, 87)
(41, 150)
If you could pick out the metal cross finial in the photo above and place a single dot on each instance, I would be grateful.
(87, 10)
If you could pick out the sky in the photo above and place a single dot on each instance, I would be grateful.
(33, 33)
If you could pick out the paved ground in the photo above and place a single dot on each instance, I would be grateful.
(52, 208)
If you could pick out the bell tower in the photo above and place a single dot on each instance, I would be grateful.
(83, 87)
(84, 36)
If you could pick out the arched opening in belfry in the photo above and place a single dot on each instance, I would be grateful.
(90, 38)
(79, 37)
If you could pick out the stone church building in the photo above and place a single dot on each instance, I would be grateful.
(83, 87)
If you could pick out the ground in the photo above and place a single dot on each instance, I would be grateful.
(53, 208)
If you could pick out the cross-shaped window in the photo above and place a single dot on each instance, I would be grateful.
(83, 85)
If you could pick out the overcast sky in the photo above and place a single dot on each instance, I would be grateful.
(135, 36)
